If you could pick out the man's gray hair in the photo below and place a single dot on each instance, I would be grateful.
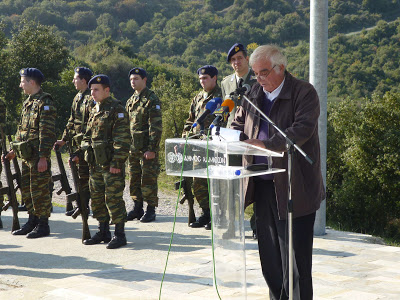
(269, 52)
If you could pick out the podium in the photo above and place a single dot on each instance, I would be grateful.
(210, 159)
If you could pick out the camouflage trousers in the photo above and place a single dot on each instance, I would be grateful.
(200, 191)
(143, 174)
(35, 191)
(106, 190)
(1, 185)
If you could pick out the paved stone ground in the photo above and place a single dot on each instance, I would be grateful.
(346, 265)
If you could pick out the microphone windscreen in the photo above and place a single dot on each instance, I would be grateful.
(229, 103)
(247, 87)
(213, 104)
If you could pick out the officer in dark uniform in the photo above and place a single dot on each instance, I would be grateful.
(76, 126)
(144, 110)
(2, 125)
(106, 145)
(237, 57)
(33, 142)
(208, 80)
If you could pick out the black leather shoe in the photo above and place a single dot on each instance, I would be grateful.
(254, 235)
(28, 226)
(137, 212)
(119, 238)
(150, 215)
(208, 226)
(103, 235)
(42, 229)
(202, 221)
(22, 208)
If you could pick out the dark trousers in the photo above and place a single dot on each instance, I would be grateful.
(273, 246)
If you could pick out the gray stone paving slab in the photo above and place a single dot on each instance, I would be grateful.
(346, 265)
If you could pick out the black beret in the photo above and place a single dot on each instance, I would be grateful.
(235, 49)
(208, 70)
(99, 79)
(138, 71)
(82, 71)
(32, 73)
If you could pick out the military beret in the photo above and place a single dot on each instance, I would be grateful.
(235, 49)
(208, 70)
(82, 71)
(32, 73)
(99, 79)
(138, 71)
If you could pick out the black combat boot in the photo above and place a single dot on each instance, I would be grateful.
(28, 226)
(150, 214)
(103, 235)
(119, 238)
(203, 220)
(137, 211)
(42, 229)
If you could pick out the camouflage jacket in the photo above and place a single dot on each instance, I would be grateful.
(198, 107)
(80, 109)
(38, 115)
(108, 121)
(144, 112)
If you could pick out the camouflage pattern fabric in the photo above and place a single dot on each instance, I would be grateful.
(109, 122)
(144, 110)
(198, 107)
(106, 192)
(80, 110)
(38, 116)
(81, 106)
(143, 174)
(2, 125)
(200, 186)
(35, 188)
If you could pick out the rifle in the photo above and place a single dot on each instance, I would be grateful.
(187, 195)
(12, 197)
(187, 191)
(17, 170)
(82, 207)
(62, 177)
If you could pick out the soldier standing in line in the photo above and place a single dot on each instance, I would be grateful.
(106, 145)
(208, 80)
(2, 125)
(237, 57)
(144, 110)
(33, 142)
(76, 127)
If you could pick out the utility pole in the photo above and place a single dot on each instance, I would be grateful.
(319, 79)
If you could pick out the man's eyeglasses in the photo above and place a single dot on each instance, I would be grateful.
(263, 74)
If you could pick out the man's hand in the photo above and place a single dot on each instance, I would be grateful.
(75, 159)
(42, 164)
(256, 143)
(114, 170)
(10, 155)
(149, 155)
(59, 143)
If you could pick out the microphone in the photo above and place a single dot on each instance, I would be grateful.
(222, 113)
(241, 90)
(211, 106)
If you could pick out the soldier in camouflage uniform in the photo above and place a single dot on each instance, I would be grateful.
(76, 127)
(106, 145)
(33, 142)
(208, 80)
(2, 125)
(144, 110)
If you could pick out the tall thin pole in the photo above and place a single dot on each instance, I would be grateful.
(319, 78)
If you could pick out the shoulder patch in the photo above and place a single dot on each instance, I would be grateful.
(120, 115)
(158, 106)
(46, 107)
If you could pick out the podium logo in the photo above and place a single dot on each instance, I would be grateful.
(174, 157)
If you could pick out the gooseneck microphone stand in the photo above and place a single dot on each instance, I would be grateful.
(290, 146)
